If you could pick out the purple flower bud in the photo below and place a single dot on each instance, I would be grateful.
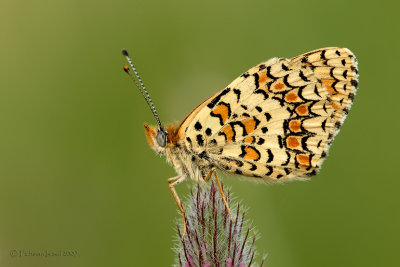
(211, 237)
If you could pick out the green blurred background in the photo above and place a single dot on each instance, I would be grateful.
(76, 172)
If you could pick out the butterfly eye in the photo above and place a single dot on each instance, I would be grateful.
(162, 137)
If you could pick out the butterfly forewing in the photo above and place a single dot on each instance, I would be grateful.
(277, 120)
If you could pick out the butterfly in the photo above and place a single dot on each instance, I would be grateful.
(275, 122)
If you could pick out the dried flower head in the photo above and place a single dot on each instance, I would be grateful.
(212, 239)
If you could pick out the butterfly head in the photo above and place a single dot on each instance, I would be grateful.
(157, 138)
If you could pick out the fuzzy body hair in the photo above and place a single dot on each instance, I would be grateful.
(187, 164)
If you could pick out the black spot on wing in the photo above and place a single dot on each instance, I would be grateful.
(334, 86)
(200, 140)
(263, 92)
(198, 126)
(319, 143)
(260, 141)
(324, 108)
(303, 77)
(345, 74)
(280, 141)
(256, 78)
(354, 83)
(312, 173)
(270, 170)
(264, 129)
(288, 159)
(322, 56)
(218, 97)
(331, 73)
(286, 126)
(296, 163)
(269, 75)
(316, 91)
(226, 167)
(304, 143)
(238, 162)
(257, 122)
(285, 81)
(300, 93)
(213, 142)
(253, 167)
(323, 125)
(237, 93)
(203, 155)
(233, 123)
(281, 101)
(267, 116)
(353, 68)
(270, 156)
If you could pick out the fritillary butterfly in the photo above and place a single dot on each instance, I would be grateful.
(275, 122)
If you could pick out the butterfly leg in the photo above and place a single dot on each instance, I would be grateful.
(173, 179)
(213, 170)
(172, 182)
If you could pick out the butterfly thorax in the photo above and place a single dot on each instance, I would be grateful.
(186, 162)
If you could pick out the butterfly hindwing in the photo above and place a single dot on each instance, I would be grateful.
(277, 120)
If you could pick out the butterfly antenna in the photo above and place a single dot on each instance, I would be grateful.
(141, 88)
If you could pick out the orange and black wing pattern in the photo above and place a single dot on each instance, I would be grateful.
(277, 120)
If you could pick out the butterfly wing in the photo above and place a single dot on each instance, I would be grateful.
(277, 120)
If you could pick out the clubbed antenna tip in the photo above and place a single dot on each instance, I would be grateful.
(125, 53)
